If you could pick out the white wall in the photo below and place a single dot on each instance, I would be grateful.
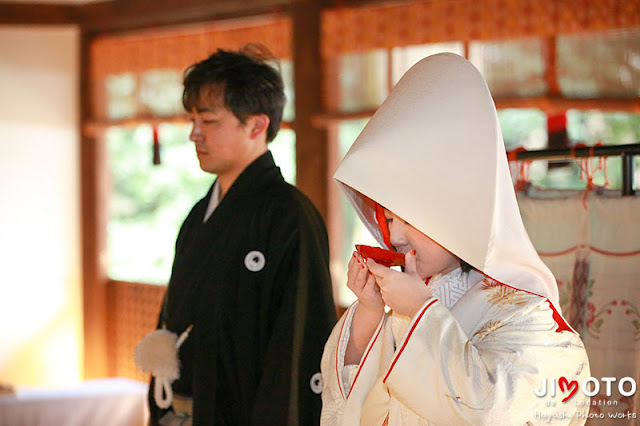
(40, 265)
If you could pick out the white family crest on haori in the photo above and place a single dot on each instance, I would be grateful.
(254, 261)
(316, 383)
(437, 160)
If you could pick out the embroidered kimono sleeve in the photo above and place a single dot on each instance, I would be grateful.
(346, 386)
(490, 377)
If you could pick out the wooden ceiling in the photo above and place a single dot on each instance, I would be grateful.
(124, 15)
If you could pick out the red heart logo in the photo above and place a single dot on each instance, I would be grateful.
(570, 385)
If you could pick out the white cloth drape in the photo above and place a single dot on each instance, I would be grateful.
(594, 253)
(111, 401)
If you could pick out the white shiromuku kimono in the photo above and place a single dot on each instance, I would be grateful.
(470, 364)
(491, 346)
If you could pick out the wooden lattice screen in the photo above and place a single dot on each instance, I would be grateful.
(386, 26)
(176, 49)
(133, 312)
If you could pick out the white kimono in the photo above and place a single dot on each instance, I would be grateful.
(479, 351)
(479, 363)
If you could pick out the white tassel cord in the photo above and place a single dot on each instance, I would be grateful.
(163, 400)
(183, 337)
(157, 353)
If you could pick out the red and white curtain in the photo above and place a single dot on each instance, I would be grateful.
(593, 249)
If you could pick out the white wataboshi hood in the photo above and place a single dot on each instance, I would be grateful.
(433, 154)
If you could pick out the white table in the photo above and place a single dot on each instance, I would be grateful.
(103, 402)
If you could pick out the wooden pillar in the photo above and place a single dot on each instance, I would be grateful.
(311, 142)
(94, 279)
(335, 216)
(551, 74)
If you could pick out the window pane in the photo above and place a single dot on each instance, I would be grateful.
(147, 203)
(513, 68)
(121, 91)
(592, 127)
(161, 92)
(286, 70)
(283, 148)
(527, 128)
(522, 127)
(404, 58)
(363, 80)
(599, 65)
(353, 231)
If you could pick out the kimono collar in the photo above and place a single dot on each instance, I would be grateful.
(214, 200)
(258, 175)
(450, 287)
(433, 154)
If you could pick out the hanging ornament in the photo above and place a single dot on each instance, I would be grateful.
(588, 169)
(156, 146)
(557, 136)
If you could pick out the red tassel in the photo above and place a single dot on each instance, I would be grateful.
(557, 123)
(156, 147)
(522, 180)
(588, 170)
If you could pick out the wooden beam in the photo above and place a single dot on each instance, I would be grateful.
(311, 141)
(335, 216)
(546, 104)
(94, 228)
(37, 14)
(127, 15)
(93, 128)
(551, 75)
(325, 118)
(551, 104)
(361, 3)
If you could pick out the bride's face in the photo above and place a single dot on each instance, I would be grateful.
(431, 257)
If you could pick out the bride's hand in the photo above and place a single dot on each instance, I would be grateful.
(363, 285)
(404, 292)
